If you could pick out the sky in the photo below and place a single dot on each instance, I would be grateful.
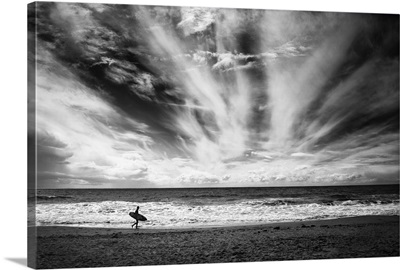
(145, 97)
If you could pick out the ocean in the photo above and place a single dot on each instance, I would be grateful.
(204, 207)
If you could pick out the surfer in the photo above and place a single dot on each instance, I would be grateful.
(137, 217)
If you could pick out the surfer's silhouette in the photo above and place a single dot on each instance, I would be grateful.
(137, 217)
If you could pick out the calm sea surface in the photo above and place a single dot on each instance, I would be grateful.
(198, 207)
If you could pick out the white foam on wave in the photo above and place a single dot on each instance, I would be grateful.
(174, 214)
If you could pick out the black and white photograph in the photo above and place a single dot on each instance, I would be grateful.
(168, 135)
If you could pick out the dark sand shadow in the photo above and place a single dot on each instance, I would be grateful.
(20, 261)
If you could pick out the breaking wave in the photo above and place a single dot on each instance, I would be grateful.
(179, 214)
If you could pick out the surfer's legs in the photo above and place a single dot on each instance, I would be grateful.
(134, 224)
(137, 222)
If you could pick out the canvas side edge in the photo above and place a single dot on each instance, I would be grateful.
(32, 149)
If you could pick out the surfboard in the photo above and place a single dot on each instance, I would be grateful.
(137, 216)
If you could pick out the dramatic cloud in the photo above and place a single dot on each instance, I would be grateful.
(167, 96)
(196, 20)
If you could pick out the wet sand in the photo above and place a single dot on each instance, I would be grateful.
(358, 237)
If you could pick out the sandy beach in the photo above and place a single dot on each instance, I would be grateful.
(357, 237)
